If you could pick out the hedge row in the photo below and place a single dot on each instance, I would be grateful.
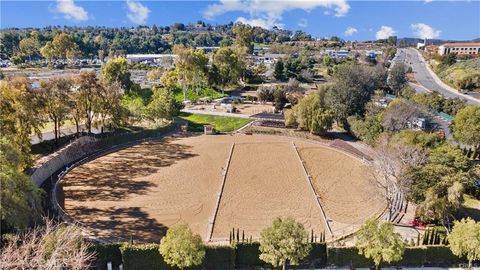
(246, 255)
(413, 257)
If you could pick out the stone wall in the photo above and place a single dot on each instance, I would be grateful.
(48, 165)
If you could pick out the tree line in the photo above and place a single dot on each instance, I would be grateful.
(97, 41)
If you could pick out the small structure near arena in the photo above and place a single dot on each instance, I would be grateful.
(208, 130)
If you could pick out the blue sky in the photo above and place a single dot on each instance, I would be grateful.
(354, 20)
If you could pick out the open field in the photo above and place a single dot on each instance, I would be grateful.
(144, 189)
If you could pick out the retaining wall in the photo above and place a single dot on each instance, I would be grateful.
(48, 165)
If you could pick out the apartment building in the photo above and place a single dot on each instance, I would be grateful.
(460, 48)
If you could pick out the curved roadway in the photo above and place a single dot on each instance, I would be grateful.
(426, 78)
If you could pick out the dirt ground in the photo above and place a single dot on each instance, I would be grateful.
(347, 187)
(243, 108)
(144, 189)
(265, 181)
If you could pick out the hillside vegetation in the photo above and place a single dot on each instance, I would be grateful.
(462, 75)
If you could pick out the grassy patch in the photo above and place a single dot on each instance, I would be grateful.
(220, 123)
(469, 208)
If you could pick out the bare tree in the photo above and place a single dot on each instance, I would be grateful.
(52, 246)
(392, 159)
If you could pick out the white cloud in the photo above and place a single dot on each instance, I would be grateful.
(264, 23)
(350, 31)
(269, 12)
(422, 30)
(71, 11)
(303, 23)
(385, 32)
(427, 1)
(137, 13)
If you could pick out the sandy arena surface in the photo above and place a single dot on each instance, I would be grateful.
(265, 181)
(144, 189)
(346, 186)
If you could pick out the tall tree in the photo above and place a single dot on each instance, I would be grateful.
(116, 70)
(87, 98)
(181, 247)
(466, 126)
(54, 94)
(279, 70)
(284, 242)
(243, 36)
(20, 198)
(63, 46)
(19, 113)
(464, 240)
(353, 86)
(230, 64)
(379, 242)
(396, 79)
(30, 46)
(183, 66)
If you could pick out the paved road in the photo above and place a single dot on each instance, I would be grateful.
(427, 80)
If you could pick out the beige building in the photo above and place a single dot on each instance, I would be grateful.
(460, 48)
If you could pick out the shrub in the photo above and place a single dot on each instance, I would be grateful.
(107, 253)
(248, 254)
(219, 257)
(144, 256)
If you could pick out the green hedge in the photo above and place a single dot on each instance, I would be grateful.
(346, 256)
(247, 255)
(142, 256)
(318, 255)
(106, 253)
(219, 257)
(441, 256)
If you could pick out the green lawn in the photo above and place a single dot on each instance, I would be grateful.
(220, 123)
(194, 96)
(469, 208)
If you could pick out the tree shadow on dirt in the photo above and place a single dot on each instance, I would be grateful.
(119, 224)
(113, 177)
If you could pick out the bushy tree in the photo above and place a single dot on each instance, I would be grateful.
(229, 62)
(464, 240)
(352, 88)
(181, 247)
(162, 105)
(20, 115)
(265, 93)
(438, 186)
(285, 241)
(116, 70)
(63, 46)
(466, 126)
(367, 130)
(310, 114)
(20, 198)
(379, 242)
(396, 78)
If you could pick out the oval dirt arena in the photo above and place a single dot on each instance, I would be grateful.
(216, 183)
